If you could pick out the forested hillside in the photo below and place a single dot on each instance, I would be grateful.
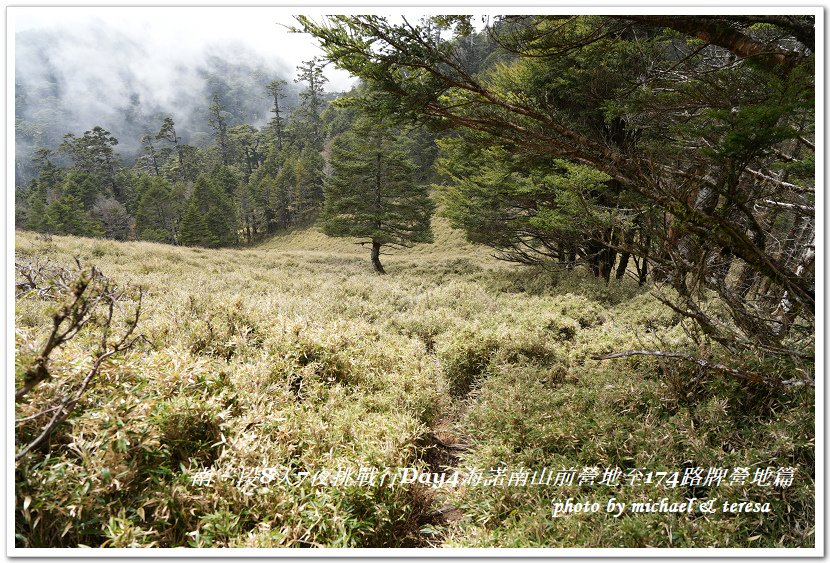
(579, 243)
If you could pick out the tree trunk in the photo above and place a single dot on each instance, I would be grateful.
(594, 259)
(642, 272)
(623, 265)
(625, 255)
(376, 258)
(606, 264)
(180, 152)
(787, 309)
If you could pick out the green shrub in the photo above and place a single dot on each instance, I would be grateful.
(190, 430)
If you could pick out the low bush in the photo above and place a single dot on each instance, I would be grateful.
(264, 357)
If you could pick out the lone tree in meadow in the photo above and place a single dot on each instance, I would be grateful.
(371, 193)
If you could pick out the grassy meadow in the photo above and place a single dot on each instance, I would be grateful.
(295, 354)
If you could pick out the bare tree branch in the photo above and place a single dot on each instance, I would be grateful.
(748, 376)
(719, 32)
(87, 293)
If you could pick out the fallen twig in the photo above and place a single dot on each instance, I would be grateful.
(748, 376)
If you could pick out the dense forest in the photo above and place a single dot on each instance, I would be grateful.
(661, 168)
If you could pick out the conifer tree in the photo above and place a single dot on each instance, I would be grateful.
(217, 120)
(276, 89)
(49, 175)
(209, 218)
(371, 193)
(93, 154)
(157, 211)
(308, 181)
(194, 229)
(311, 99)
(67, 216)
(168, 133)
(42, 190)
(36, 216)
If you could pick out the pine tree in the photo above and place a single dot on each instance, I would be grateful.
(83, 185)
(151, 157)
(217, 120)
(67, 216)
(194, 230)
(157, 212)
(308, 181)
(42, 189)
(311, 100)
(49, 175)
(36, 217)
(93, 153)
(226, 178)
(168, 133)
(209, 218)
(371, 193)
(276, 89)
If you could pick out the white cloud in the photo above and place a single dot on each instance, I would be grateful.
(171, 36)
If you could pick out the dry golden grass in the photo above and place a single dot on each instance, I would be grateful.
(295, 353)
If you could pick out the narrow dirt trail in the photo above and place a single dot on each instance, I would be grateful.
(443, 452)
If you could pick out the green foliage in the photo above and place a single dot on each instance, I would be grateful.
(93, 153)
(306, 181)
(580, 140)
(307, 121)
(83, 186)
(529, 211)
(218, 121)
(157, 210)
(36, 215)
(67, 216)
(194, 229)
(371, 192)
(209, 219)
(682, 139)
(226, 179)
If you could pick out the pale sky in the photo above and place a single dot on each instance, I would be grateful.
(171, 34)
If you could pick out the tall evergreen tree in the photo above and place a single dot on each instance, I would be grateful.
(36, 215)
(44, 189)
(93, 153)
(168, 133)
(158, 211)
(311, 99)
(151, 157)
(371, 193)
(67, 216)
(49, 175)
(217, 120)
(83, 185)
(276, 89)
(308, 182)
(194, 229)
(209, 218)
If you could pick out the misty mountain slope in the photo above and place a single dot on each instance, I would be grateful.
(69, 82)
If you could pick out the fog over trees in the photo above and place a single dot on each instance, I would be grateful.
(70, 80)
